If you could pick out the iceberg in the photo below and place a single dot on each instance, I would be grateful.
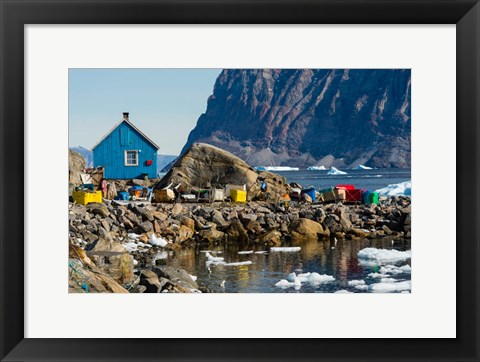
(362, 167)
(400, 189)
(336, 171)
(316, 168)
(276, 168)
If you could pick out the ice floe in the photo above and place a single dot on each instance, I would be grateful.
(335, 171)
(382, 256)
(286, 248)
(356, 282)
(316, 168)
(295, 280)
(402, 188)
(391, 287)
(238, 263)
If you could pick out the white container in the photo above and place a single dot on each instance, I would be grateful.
(217, 195)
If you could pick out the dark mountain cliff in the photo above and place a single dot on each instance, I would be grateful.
(306, 117)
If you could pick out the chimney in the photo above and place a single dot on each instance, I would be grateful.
(125, 116)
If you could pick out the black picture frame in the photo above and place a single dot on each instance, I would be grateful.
(17, 13)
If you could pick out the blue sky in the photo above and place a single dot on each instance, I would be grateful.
(163, 103)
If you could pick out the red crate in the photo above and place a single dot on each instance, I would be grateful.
(345, 187)
(354, 195)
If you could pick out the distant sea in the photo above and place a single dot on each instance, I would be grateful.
(362, 179)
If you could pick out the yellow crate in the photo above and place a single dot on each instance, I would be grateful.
(83, 197)
(238, 195)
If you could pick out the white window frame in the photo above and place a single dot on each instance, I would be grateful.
(125, 158)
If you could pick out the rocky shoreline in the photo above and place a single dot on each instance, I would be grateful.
(115, 248)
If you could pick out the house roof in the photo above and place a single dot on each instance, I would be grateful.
(131, 125)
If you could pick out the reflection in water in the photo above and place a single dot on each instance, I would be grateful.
(324, 257)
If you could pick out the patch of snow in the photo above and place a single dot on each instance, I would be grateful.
(335, 171)
(133, 236)
(158, 241)
(130, 247)
(316, 168)
(261, 252)
(246, 252)
(288, 249)
(194, 277)
(342, 291)
(400, 189)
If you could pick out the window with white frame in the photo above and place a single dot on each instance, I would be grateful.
(131, 158)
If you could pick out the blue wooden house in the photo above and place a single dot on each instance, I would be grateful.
(126, 153)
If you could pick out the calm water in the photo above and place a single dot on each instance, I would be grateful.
(339, 261)
(363, 179)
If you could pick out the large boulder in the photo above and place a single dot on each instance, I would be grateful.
(305, 229)
(203, 165)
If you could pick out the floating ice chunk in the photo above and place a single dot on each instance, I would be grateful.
(284, 284)
(158, 241)
(362, 167)
(361, 287)
(388, 280)
(342, 291)
(316, 168)
(238, 263)
(377, 275)
(356, 282)
(311, 278)
(246, 252)
(402, 188)
(335, 171)
(210, 257)
(384, 255)
(194, 277)
(286, 248)
(316, 279)
(391, 287)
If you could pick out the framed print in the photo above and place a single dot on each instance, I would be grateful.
(245, 181)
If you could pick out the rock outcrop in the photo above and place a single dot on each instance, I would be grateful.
(306, 117)
(205, 166)
(76, 166)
